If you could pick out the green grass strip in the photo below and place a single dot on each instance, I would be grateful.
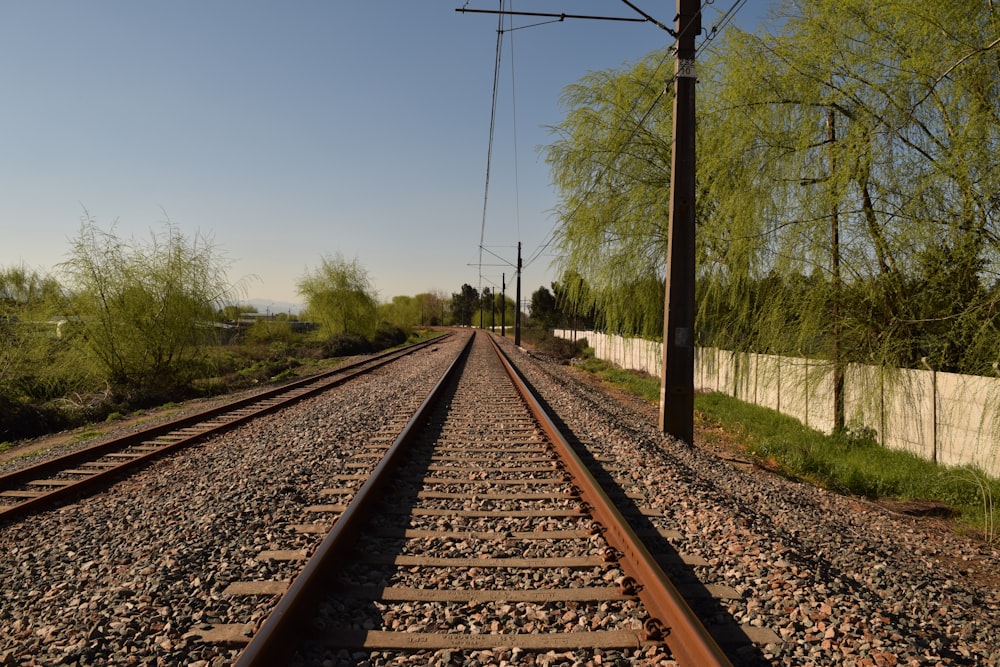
(851, 462)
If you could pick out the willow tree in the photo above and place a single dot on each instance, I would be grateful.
(847, 164)
(879, 123)
(144, 309)
(611, 164)
(340, 297)
(35, 359)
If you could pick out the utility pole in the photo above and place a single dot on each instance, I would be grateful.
(838, 367)
(517, 309)
(503, 303)
(677, 385)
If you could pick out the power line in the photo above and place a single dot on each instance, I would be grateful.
(513, 106)
(723, 22)
(489, 149)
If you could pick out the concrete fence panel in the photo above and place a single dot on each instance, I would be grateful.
(864, 393)
(794, 388)
(949, 418)
(967, 420)
(909, 412)
(767, 384)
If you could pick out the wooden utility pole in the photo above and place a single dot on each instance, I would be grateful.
(838, 366)
(503, 303)
(517, 308)
(677, 385)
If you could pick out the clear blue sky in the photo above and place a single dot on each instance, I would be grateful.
(286, 130)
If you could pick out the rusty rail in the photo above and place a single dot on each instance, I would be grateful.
(181, 433)
(269, 645)
(672, 618)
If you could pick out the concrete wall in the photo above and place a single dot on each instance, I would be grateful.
(949, 418)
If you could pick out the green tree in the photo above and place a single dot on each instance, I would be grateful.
(611, 163)
(543, 309)
(35, 361)
(431, 307)
(463, 305)
(879, 122)
(402, 312)
(145, 310)
(574, 302)
(340, 297)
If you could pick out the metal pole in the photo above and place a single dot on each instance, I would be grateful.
(503, 302)
(677, 385)
(517, 311)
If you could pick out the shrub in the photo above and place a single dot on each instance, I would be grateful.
(22, 420)
(270, 331)
(561, 349)
(388, 335)
(345, 344)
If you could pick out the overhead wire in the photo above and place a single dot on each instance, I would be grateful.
(489, 149)
(721, 24)
(513, 105)
(723, 21)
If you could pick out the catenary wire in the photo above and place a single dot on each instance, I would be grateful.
(489, 149)
(723, 21)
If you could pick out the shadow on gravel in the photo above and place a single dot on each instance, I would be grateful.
(810, 551)
(722, 626)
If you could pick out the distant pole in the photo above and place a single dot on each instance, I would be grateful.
(503, 302)
(517, 311)
(677, 385)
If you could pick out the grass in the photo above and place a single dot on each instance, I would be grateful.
(639, 384)
(851, 462)
(85, 435)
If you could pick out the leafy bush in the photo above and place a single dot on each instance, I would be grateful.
(388, 335)
(22, 420)
(561, 349)
(345, 344)
(270, 331)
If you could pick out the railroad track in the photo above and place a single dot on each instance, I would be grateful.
(62, 479)
(478, 532)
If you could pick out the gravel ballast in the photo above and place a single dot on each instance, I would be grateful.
(841, 581)
(133, 574)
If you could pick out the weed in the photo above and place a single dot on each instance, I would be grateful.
(286, 374)
(86, 435)
(985, 488)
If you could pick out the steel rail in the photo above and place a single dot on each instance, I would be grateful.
(233, 413)
(270, 644)
(672, 618)
(674, 624)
